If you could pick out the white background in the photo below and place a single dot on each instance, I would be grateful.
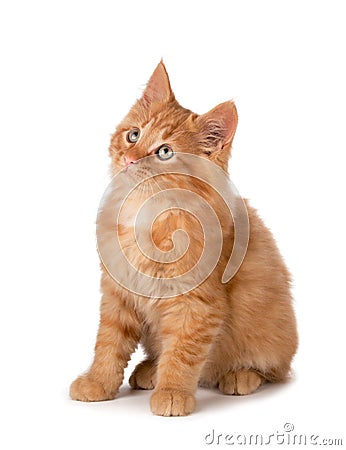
(70, 70)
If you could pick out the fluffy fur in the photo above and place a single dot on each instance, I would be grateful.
(235, 336)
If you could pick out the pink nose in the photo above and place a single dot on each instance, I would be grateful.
(130, 160)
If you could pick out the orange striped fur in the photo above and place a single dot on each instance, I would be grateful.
(235, 336)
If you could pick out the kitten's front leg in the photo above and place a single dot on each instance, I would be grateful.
(187, 332)
(117, 339)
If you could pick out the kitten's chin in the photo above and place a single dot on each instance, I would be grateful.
(131, 174)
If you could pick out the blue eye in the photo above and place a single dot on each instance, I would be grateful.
(164, 152)
(133, 135)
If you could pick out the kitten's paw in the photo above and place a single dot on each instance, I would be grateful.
(172, 403)
(86, 390)
(144, 375)
(241, 382)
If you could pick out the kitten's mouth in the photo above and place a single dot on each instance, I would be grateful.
(130, 172)
(140, 176)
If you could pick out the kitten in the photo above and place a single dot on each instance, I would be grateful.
(234, 335)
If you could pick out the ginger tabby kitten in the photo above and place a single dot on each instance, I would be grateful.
(234, 336)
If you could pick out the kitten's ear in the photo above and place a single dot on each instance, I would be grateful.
(158, 89)
(218, 126)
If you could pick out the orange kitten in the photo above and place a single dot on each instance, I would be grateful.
(195, 328)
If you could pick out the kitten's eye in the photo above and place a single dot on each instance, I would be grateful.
(164, 152)
(133, 135)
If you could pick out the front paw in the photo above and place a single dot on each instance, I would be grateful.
(85, 389)
(166, 402)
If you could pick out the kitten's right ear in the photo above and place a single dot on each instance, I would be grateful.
(158, 89)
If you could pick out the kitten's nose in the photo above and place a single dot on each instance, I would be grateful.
(129, 160)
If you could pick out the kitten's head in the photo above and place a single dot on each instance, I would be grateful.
(158, 125)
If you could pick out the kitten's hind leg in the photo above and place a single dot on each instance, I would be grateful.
(144, 375)
(240, 382)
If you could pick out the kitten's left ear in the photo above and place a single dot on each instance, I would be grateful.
(218, 126)
(158, 89)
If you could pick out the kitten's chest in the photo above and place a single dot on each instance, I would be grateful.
(164, 255)
(173, 239)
